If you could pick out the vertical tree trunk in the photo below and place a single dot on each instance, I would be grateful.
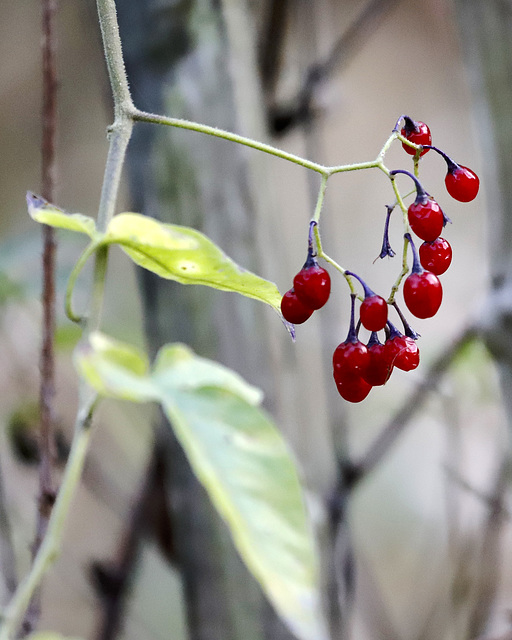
(178, 63)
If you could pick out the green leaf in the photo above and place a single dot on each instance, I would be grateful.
(46, 213)
(238, 454)
(115, 369)
(177, 366)
(187, 256)
(240, 458)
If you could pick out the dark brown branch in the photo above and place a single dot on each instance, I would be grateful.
(490, 561)
(271, 43)
(299, 111)
(149, 515)
(46, 496)
(390, 433)
(47, 389)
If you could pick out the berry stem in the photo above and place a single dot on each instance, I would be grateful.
(311, 252)
(409, 124)
(451, 164)
(352, 335)
(408, 330)
(367, 291)
(402, 274)
(416, 265)
(421, 194)
(320, 199)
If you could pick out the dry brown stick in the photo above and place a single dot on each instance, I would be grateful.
(47, 492)
(47, 362)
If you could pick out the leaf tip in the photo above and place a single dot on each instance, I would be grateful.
(34, 201)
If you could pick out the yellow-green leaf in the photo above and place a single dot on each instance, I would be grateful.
(185, 255)
(46, 213)
(114, 369)
(178, 366)
(241, 459)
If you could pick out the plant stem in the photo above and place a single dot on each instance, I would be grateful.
(112, 48)
(320, 201)
(142, 116)
(401, 275)
(51, 544)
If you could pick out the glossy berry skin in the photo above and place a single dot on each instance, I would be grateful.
(423, 294)
(373, 313)
(436, 256)
(349, 360)
(352, 389)
(312, 286)
(462, 183)
(379, 365)
(403, 352)
(420, 136)
(293, 309)
(426, 219)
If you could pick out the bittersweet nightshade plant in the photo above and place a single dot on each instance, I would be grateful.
(204, 400)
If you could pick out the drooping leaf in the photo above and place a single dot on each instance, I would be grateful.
(46, 213)
(239, 456)
(171, 251)
(185, 255)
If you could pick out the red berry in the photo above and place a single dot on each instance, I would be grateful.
(419, 134)
(436, 256)
(423, 294)
(461, 183)
(352, 389)
(403, 352)
(293, 310)
(349, 359)
(312, 286)
(374, 313)
(426, 218)
(379, 365)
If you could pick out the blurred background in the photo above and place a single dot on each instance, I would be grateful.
(421, 547)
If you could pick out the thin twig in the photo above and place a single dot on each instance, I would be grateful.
(149, 515)
(390, 433)
(46, 496)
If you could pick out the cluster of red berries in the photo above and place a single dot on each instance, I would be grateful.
(311, 290)
(357, 367)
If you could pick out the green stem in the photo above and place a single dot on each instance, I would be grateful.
(401, 275)
(320, 202)
(112, 48)
(68, 301)
(50, 547)
(142, 116)
(119, 136)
